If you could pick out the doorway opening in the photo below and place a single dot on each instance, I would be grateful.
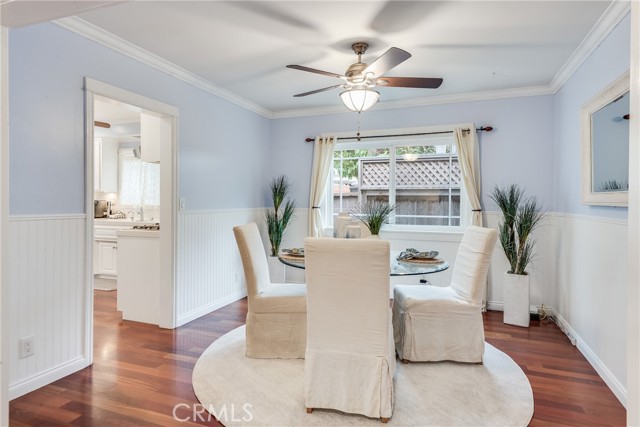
(131, 187)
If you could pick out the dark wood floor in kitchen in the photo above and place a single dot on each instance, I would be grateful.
(140, 373)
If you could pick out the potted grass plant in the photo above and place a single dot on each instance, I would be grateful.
(279, 217)
(277, 220)
(374, 215)
(521, 215)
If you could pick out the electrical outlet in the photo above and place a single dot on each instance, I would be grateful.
(183, 203)
(26, 347)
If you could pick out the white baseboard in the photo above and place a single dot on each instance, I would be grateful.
(47, 377)
(616, 387)
(495, 305)
(201, 311)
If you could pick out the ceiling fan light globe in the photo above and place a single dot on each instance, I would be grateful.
(359, 100)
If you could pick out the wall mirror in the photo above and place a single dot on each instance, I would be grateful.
(605, 146)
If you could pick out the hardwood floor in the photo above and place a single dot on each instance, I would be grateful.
(140, 373)
(567, 390)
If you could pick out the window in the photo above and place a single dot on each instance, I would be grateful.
(139, 181)
(422, 178)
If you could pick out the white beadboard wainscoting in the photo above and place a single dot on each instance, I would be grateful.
(542, 270)
(591, 262)
(209, 270)
(47, 291)
(579, 272)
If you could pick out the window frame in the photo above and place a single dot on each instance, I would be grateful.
(392, 143)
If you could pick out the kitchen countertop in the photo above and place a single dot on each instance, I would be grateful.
(121, 222)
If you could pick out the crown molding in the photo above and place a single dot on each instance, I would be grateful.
(110, 40)
(424, 101)
(616, 11)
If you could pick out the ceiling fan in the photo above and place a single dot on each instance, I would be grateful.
(360, 78)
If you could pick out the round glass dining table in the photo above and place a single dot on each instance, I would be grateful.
(398, 268)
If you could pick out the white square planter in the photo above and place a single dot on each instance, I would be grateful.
(516, 300)
(276, 270)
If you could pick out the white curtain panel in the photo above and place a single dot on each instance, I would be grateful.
(322, 161)
(469, 161)
(139, 181)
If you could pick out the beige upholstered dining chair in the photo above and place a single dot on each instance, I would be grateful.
(434, 323)
(277, 315)
(350, 359)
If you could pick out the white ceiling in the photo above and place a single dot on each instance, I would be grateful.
(244, 46)
(19, 13)
(123, 118)
(111, 111)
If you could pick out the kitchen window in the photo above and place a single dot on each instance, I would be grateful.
(139, 181)
(421, 177)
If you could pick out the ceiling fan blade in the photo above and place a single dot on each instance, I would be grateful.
(313, 70)
(416, 82)
(391, 58)
(316, 91)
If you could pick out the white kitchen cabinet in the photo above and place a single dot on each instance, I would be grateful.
(139, 278)
(105, 165)
(107, 258)
(105, 245)
(151, 128)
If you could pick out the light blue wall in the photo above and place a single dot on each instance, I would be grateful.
(608, 62)
(519, 150)
(226, 151)
(223, 148)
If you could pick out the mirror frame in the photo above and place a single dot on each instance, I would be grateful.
(614, 198)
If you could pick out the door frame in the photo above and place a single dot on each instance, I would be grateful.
(633, 215)
(168, 206)
(4, 223)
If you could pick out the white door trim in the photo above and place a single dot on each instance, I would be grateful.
(4, 221)
(88, 261)
(633, 291)
(122, 95)
(168, 207)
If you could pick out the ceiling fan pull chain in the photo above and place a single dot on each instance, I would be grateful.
(358, 134)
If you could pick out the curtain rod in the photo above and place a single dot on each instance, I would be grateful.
(483, 128)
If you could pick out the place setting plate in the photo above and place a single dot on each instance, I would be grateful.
(415, 256)
(293, 254)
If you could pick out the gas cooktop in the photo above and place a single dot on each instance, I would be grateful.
(150, 227)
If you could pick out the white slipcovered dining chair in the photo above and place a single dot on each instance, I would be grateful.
(433, 323)
(350, 359)
(277, 313)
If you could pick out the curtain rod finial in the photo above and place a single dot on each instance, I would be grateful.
(309, 140)
(486, 128)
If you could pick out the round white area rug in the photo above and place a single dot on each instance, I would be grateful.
(269, 392)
